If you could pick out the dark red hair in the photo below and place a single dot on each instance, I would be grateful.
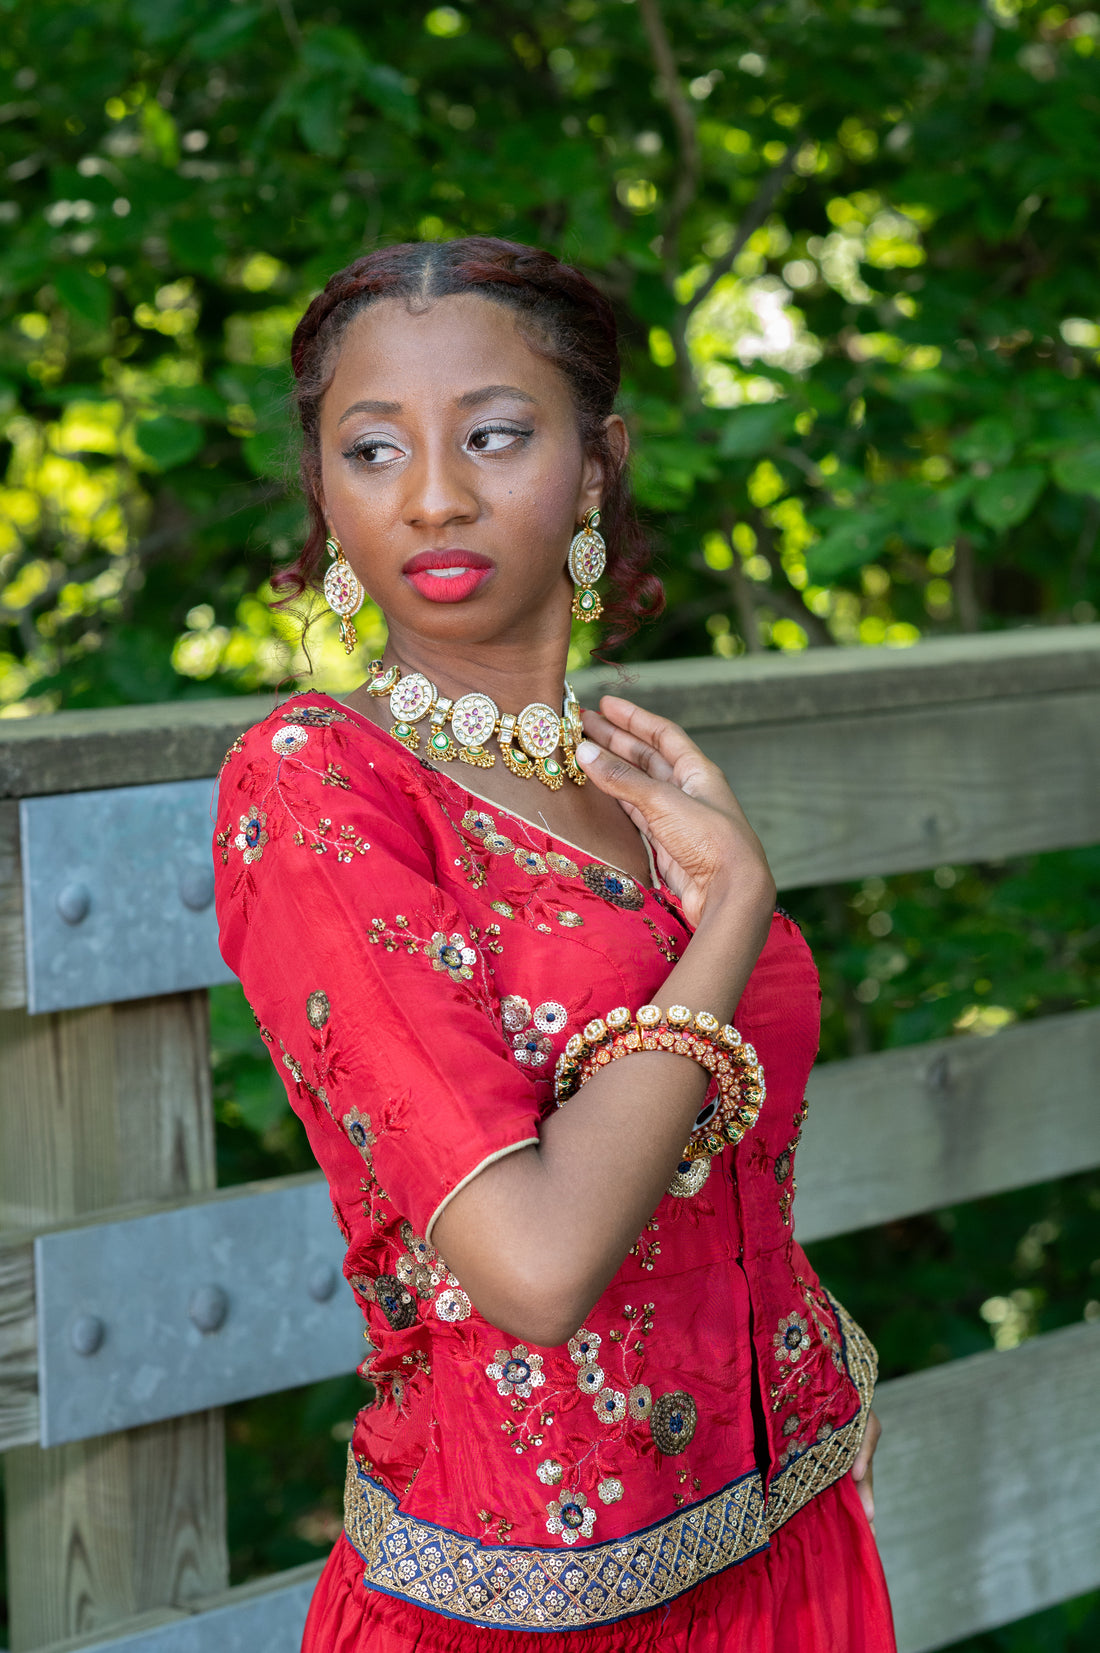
(564, 317)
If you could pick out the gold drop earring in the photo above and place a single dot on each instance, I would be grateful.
(587, 561)
(343, 592)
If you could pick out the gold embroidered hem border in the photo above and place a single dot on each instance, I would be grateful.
(527, 1587)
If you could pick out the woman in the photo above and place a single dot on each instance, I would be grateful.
(614, 1407)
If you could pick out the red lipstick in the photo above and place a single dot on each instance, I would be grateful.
(449, 575)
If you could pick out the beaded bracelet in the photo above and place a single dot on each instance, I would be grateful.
(720, 1050)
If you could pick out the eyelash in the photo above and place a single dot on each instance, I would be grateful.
(371, 444)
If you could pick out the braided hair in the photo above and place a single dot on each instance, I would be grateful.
(564, 318)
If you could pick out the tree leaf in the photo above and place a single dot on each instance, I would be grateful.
(86, 296)
(749, 431)
(1077, 470)
(988, 441)
(168, 440)
(1006, 498)
(855, 540)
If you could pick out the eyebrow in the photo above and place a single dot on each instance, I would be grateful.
(471, 399)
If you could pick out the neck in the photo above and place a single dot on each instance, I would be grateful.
(513, 675)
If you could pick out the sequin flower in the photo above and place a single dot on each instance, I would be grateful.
(639, 1402)
(452, 1305)
(359, 1132)
(571, 1516)
(611, 1490)
(792, 1339)
(516, 1373)
(590, 1379)
(672, 1422)
(452, 954)
(252, 837)
(530, 1028)
(613, 886)
(584, 1347)
(610, 1406)
(550, 1472)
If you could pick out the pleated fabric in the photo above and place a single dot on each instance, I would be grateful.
(819, 1588)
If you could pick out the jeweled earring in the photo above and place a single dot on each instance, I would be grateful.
(343, 593)
(587, 561)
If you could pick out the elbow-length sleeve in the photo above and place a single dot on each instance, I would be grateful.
(372, 988)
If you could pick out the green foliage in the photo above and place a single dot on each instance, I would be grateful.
(852, 250)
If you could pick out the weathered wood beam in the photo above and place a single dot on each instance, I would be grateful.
(182, 740)
(987, 1490)
(940, 1123)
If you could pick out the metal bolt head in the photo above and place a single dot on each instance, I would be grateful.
(322, 1282)
(208, 1308)
(196, 886)
(74, 902)
(87, 1333)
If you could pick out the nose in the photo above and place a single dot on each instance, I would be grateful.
(439, 489)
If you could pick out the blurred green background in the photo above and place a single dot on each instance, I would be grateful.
(854, 253)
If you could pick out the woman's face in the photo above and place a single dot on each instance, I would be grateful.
(452, 471)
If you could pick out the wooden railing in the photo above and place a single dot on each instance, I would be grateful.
(848, 764)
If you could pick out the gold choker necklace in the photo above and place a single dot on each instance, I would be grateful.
(527, 739)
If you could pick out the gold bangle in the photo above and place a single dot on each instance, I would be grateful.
(732, 1064)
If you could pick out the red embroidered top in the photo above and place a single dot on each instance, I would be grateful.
(417, 960)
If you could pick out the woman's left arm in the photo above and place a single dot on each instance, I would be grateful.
(863, 1468)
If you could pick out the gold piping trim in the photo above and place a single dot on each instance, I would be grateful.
(501, 1153)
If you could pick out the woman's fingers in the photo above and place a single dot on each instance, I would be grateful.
(863, 1468)
(628, 746)
(690, 770)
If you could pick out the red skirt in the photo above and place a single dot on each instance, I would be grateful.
(818, 1589)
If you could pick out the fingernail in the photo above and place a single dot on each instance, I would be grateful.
(587, 752)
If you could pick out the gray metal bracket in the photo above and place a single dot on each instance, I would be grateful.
(155, 1316)
(118, 894)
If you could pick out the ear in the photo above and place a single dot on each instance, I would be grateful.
(599, 472)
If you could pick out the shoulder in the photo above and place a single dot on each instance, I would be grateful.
(315, 776)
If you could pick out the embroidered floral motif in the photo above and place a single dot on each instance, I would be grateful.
(613, 886)
(222, 839)
(584, 1347)
(561, 864)
(453, 1305)
(672, 1422)
(504, 908)
(318, 1008)
(689, 1177)
(550, 1472)
(610, 1490)
(252, 837)
(791, 1425)
(237, 746)
(570, 920)
(335, 776)
(590, 1379)
(666, 945)
(529, 860)
(396, 1302)
(451, 953)
(610, 1406)
(393, 938)
(550, 1017)
(639, 1402)
(288, 740)
(358, 1128)
(346, 843)
(516, 1373)
(530, 1050)
(515, 1012)
(315, 717)
(783, 1163)
(792, 1339)
(571, 1516)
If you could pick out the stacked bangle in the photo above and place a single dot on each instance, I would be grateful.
(720, 1050)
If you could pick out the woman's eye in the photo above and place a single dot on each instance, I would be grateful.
(374, 450)
(492, 438)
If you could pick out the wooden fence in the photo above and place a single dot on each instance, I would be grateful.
(849, 764)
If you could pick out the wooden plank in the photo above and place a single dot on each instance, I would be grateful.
(902, 790)
(987, 1487)
(104, 1529)
(180, 740)
(887, 1136)
(267, 1613)
(940, 1123)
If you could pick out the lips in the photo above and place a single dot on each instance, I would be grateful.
(448, 575)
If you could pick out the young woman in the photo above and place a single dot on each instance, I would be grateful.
(496, 956)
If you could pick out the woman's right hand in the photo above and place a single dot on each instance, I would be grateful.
(706, 851)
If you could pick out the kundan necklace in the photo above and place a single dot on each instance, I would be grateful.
(527, 740)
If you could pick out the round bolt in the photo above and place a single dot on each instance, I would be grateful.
(197, 888)
(208, 1308)
(73, 903)
(87, 1334)
(322, 1282)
